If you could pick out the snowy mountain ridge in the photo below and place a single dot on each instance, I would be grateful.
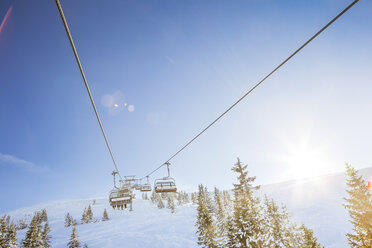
(316, 202)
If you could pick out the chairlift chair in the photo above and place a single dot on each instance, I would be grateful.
(121, 196)
(146, 187)
(165, 184)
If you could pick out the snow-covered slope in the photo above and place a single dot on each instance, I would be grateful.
(146, 226)
(317, 202)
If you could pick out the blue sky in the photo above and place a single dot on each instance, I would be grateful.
(179, 64)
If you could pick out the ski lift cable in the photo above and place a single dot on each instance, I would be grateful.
(85, 82)
(255, 86)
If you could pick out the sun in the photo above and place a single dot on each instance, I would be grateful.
(304, 159)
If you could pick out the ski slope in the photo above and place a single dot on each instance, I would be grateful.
(316, 202)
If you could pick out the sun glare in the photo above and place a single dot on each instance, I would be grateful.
(305, 159)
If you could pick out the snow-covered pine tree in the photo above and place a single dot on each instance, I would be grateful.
(38, 217)
(44, 215)
(227, 202)
(230, 234)
(279, 231)
(90, 213)
(359, 205)
(22, 224)
(74, 241)
(85, 217)
(194, 198)
(7, 219)
(11, 237)
(160, 201)
(206, 229)
(46, 236)
(307, 239)
(179, 199)
(68, 220)
(153, 197)
(105, 215)
(203, 192)
(33, 237)
(221, 214)
(85, 246)
(247, 216)
(186, 198)
(170, 204)
(3, 231)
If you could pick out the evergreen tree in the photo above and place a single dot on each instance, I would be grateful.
(171, 205)
(359, 205)
(38, 217)
(11, 237)
(89, 214)
(33, 237)
(194, 198)
(44, 215)
(279, 230)
(3, 231)
(208, 201)
(68, 220)
(105, 215)
(247, 217)
(22, 224)
(206, 230)
(46, 236)
(186, 198)
(153, 197)
(179, 199)
(160, 201)
(227, 202)
(74, 242)
(230, 234)
(85, 217)
(221, 214)
(307, 238)
(7, 219)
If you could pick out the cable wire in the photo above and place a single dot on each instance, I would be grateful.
(85, 82)
(254, 87)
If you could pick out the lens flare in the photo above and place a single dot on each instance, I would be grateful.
(5, 18)
(369, 185)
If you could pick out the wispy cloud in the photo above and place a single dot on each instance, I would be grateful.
(10, 160)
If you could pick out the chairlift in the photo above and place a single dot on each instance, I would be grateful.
(120, 197)
(165, 184)
(137, 184)
(146, 187)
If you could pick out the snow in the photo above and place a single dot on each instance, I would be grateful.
(316, 202)
(146, 226)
